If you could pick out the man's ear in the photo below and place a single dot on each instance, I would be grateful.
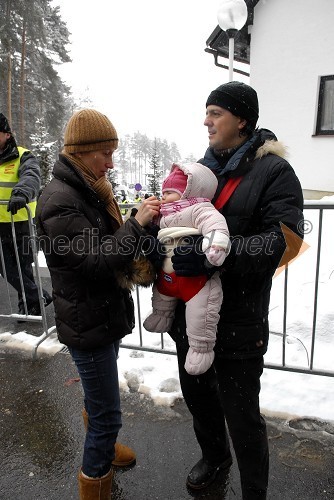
(242, 123)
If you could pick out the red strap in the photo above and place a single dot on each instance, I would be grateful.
(227, 192)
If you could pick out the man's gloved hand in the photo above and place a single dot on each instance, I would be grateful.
(190, 260)
(154, 251)
(16, 202)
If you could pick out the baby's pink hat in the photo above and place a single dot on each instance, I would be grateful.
(176, 181)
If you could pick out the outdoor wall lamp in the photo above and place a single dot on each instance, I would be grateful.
(232, 16)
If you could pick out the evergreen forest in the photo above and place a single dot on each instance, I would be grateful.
(34, 41)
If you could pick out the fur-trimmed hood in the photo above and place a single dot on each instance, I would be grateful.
(271, 146)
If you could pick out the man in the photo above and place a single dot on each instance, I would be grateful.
(19, 185)
(262, 195)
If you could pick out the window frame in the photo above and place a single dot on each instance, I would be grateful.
(321, 94)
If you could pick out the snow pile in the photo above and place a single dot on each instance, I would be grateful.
(26, 343)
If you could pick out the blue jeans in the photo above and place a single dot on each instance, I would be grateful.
(98, 373)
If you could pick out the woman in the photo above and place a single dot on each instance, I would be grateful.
(87, 248)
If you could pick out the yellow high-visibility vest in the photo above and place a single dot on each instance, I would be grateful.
(9, 177)
(124, 210)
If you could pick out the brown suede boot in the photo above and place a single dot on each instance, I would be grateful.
(85, 418)
(124, 456)
(95, 488)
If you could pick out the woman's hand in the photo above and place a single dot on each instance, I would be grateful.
(148, 209)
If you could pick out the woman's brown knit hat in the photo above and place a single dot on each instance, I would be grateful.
(89, 130)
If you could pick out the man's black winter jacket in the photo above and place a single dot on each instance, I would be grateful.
(268, 196)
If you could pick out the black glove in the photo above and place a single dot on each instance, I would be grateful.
(190, 260)
(16, 202)
(154, 251)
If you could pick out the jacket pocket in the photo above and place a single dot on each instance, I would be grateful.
(242, 341)
(122, 313)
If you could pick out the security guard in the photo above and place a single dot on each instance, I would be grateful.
(19, 184)
(124, 202)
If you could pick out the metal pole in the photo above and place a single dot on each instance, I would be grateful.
(231, 33)
(230, 58)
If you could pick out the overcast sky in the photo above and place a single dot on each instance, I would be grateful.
(142, 62)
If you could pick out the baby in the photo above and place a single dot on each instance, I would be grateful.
(186, 211)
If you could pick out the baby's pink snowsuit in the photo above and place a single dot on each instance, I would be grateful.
(191, 216)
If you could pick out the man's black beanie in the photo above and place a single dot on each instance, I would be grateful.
(4, 125)
(240, 99)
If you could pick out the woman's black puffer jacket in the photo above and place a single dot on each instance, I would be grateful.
(83, 247)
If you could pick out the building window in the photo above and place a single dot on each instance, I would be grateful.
(325, 117)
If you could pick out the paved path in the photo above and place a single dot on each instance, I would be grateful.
(41, 438)
(42, 434)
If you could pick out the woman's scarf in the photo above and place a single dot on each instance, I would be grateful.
(101, 186)
(139, 271)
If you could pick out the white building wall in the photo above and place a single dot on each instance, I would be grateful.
(291, 47)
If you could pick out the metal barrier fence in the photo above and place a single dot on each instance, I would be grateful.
(25, 317)
(322, 249)
(320, 223)
(317, 228)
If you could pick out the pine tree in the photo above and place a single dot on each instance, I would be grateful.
(112, 175)
(45, 150)
(174, 153)
(190, 158)
(33, 40)
(154, 183)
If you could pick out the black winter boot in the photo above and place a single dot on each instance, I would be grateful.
(205, 472)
